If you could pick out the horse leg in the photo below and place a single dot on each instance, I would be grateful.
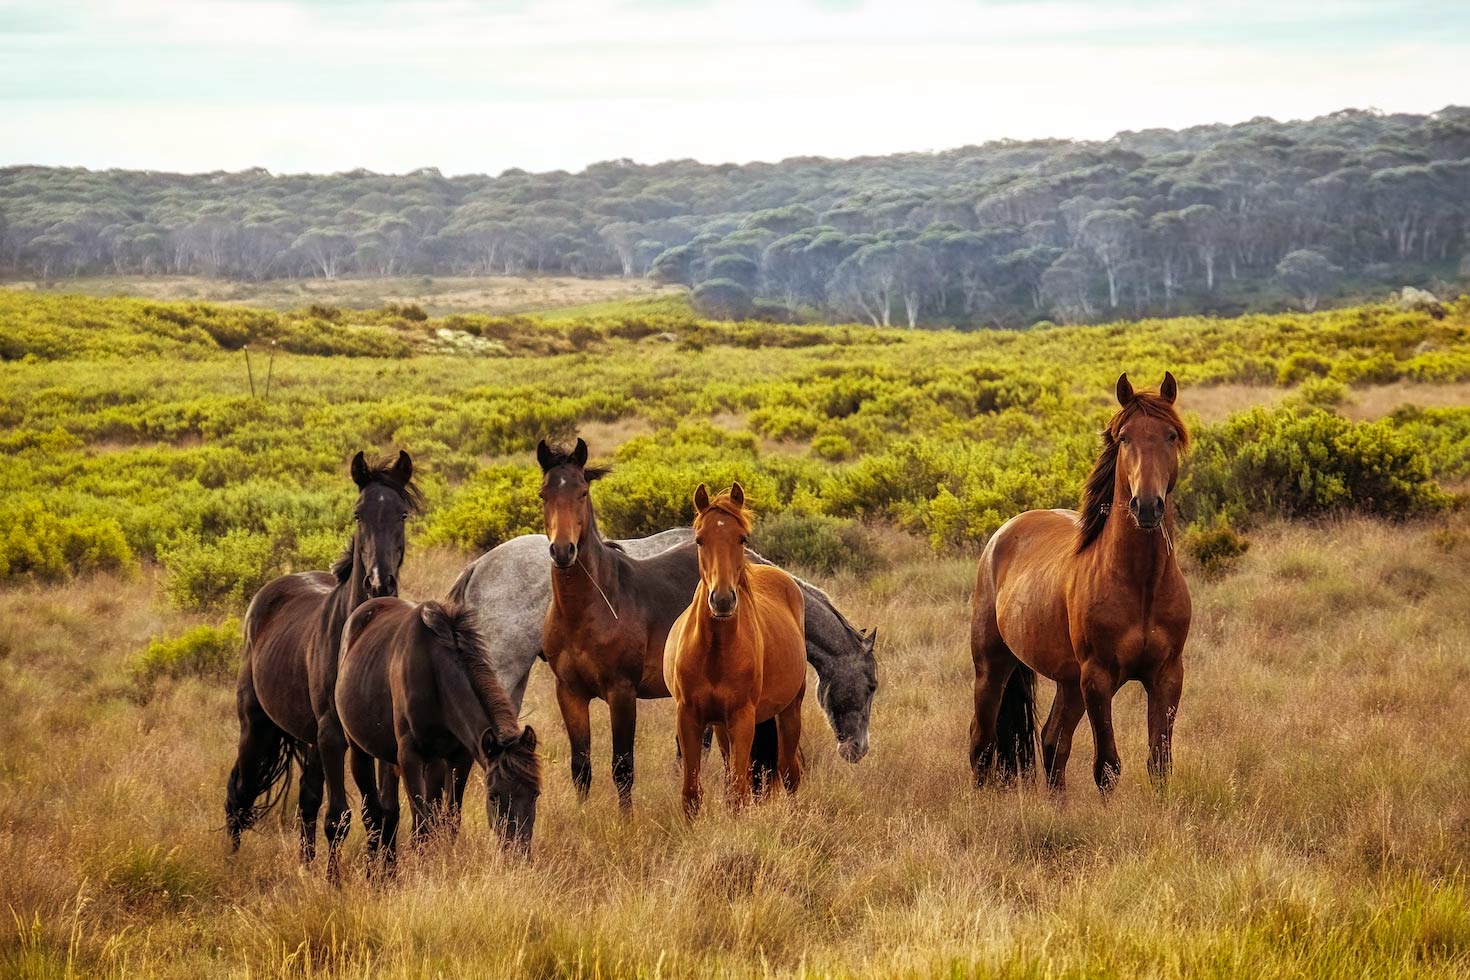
(1164, 690)
(1067, 709)
(331, 747)
(415, 770)
(788, 726)
(765, 757)
(690, 733)
(741, 728)
(459, 774)
(1098, 688)
(388, 798)
(991, 674)
(579, 732)
(622, 705)
(363, 775)
(309, 803)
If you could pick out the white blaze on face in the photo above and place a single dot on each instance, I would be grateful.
(563, 482)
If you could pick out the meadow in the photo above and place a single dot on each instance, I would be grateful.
(1318, 823)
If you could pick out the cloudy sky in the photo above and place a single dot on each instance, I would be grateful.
(391, 85)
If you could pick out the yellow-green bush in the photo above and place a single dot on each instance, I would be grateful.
(204, 651)
(37, 543)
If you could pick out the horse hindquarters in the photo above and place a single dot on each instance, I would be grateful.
(262, 761)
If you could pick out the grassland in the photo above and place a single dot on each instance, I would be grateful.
(437, 295)
(1318, 824)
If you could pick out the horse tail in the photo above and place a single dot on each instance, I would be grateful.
(461, 586)
(261, 777)
(1015, 728)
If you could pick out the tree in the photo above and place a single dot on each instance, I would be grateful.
(1112, 235)
(1307, 274)
(723, 299)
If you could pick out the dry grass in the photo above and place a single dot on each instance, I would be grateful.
(439, 295)
(1318, 824)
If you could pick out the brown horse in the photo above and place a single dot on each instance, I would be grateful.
(1090, 600)
(416, 692)
(737, 655)
(609, 616)
(292, 632)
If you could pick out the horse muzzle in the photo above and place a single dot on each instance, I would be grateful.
(853, 749)
(1148, 512)
(564, 555)
(722, 604)
(379, 585)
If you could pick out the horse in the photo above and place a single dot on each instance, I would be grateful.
(604, 630)
(1091, 600)
(510, 589)
(293, 627)
(415, 691)
(736, 656)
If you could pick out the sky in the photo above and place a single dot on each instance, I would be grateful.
(479, 87)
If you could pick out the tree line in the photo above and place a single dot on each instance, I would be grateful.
(1212, 217)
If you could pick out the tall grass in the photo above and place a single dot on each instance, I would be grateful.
(1318, 824)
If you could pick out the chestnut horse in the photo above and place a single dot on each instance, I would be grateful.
(1090, 600)
(736, 656)
(416, 692)
(292, 632)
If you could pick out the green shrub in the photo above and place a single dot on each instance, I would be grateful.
(1216, 549)
(1260, 464)
(832, 446)
(1320, 393)
(36, 543)
(211, 652)
(814, 542)
(1301, 366)
(225, 572)
(496, 504)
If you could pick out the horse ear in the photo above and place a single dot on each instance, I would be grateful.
(871, 638)
(1169, 390)
(1125, 390)
(579, 455)
(360, 472)
(737, 494)
(543, 455)
(701, 499)
(528, 738)
(490, 743)
(402, 470)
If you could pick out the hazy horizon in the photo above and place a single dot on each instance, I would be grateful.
(322, 86)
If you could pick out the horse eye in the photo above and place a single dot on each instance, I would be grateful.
(743, 539)
(699, 542)
(405, 515)
(1173, 436)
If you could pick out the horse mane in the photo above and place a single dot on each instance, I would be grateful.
(562, 456)
(1097, 493)
(381, 473)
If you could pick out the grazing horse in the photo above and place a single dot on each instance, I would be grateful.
(736, 656)
(292, 632)
(416, 692)
(603, 634)
(1090, 600)
(510, 587)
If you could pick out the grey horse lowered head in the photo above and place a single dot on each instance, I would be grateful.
(510, 588)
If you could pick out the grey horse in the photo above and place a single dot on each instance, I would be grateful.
(510, 587)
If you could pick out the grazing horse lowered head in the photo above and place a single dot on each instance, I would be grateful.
(1091, 600)
(292, 631)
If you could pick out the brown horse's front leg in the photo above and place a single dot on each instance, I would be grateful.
(741, 728)
(622, 705)
(331, 746)
(690, 735)
(1098, 688)
(1164, 691)
(574, 715)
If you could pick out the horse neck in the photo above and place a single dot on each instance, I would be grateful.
(1144, 555)
(346, 596)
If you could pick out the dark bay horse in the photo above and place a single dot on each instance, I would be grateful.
(736, 656)
(604, 632)
(292, 633)
(1090, 600)
(415, 691)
